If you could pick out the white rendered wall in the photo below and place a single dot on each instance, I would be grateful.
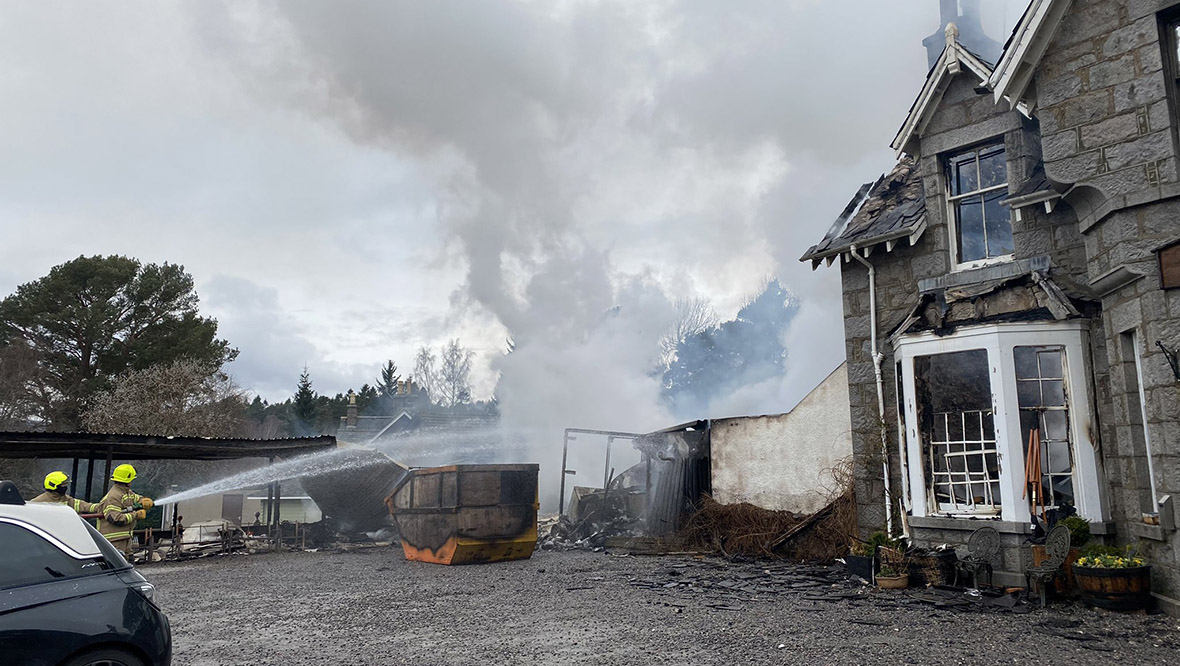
(782, 461)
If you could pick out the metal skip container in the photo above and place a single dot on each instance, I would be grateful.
(467, 514)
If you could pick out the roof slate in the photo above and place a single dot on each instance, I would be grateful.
(1037, 183)
(895, 206)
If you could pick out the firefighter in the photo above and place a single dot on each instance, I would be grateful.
(121, 508)
(56, 484)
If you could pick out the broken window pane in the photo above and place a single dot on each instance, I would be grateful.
(972, 239)
(967, 175)
(955, 412)
(993, 170)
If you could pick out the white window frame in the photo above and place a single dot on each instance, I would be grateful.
(952, 212)
(999, 340)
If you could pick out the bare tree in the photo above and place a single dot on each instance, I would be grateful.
(181, 398)
(425, 373)
(446, 377)
(453, 374)
(693, 316)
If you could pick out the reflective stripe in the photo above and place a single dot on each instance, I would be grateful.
(115, 536)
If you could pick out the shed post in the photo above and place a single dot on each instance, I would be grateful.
(278, 534)
(106, 478)
(89, 475)
(74, 487)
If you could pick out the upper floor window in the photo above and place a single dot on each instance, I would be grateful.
(1170, 42)
(978, 180)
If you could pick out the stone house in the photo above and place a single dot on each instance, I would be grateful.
(1010, 291)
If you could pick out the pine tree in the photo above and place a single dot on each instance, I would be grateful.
(387, 384)
(305, 406)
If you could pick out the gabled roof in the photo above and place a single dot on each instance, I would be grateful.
(1023, 52)
(954, 59)
(885, 212)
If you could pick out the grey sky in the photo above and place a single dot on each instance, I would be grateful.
(349, 180)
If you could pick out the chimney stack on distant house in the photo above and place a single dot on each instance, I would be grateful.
(350, 419)
(971, 35)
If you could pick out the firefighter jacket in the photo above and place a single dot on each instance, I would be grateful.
(118, 512)
(81, 506)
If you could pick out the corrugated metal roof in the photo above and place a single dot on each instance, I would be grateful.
(154, 447)
(355, 496)
(894, 208)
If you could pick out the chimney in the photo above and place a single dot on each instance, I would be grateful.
(350, 420)
(971, 34)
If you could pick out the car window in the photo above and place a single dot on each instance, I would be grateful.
(29, 558)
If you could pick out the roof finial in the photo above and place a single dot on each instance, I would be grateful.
(952, 33)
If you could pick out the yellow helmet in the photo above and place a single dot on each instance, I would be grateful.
(55, 480)
(123, 473)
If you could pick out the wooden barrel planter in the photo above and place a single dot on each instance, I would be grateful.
(1115, 589)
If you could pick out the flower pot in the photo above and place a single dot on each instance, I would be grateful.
(859, 565)
(1115, 589)
(893, 582)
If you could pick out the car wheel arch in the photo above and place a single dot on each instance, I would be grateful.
(106, 645)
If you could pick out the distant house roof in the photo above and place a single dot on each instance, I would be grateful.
(886, 212)
(1023, 51)
(955, 58)
(369, 428)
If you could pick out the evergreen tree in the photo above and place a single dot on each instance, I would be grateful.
(366, 398)
(94, 318)
(386, 388)
(387, 384)
(304, 408)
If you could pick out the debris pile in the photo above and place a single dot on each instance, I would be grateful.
(603, 519)
(751, 531)
(725, 585)
(738, 529)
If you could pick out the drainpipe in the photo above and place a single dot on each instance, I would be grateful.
(878, 357)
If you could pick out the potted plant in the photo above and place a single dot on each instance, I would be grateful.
(1113, 578)
(889, 578)
(894, 573)
(861, 560)
(1079, 537)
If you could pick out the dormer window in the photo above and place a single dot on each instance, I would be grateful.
(981, 226)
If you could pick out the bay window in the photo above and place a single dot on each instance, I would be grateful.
(973, 400)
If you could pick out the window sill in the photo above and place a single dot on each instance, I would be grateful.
(982, 263)
(1145, 531)
(959, 277)
(968, 524)
(1102, 528)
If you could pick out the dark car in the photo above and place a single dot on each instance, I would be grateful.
(67, 597)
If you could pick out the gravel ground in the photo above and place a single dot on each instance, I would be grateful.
(370, 606)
